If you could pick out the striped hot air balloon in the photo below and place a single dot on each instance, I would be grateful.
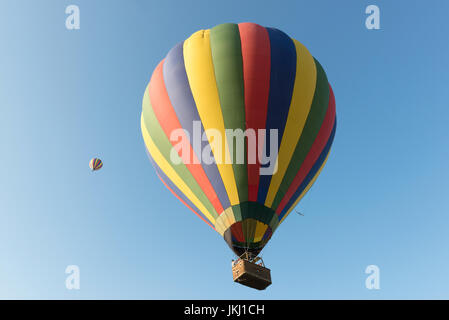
(95, 164)
(239, 77)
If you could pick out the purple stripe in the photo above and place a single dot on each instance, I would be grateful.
(178, 89)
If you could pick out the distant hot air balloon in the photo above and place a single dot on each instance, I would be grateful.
(95, 164)
(239, 77)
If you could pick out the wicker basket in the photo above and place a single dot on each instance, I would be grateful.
(251, 274)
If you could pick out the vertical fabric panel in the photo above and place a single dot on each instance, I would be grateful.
(163, 146)
(200, 72)
(255, 44)
(303, 193)
(178, 90)
(322, 141)
(169, 122)
(176, 192)
(309, 133)
(172, 174)
(303, 92)
(228, 68)
(282, 79)
(310, 175)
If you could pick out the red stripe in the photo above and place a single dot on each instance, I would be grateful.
(185, 202)
(236, 230)
(314, 153)
(96, 164)
(169, 122)
(255, 44)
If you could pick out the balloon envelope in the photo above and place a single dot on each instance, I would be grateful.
(95, 164)
(239, 77)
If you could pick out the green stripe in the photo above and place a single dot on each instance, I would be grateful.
(311, 128)
(237, 213)
(245, 227)
(228, 67)
(256, 211)
(164, 145)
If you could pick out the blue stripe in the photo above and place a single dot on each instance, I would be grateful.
(313, 171)
(178, 89)
(282, 80)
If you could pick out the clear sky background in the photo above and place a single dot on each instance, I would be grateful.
(69, 95)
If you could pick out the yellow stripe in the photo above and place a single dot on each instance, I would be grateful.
(200, 72)
(306, 189)
(303, 92)
(260, 231)
(224, 221)
(170, 172)
(220, 226)
(228, 214)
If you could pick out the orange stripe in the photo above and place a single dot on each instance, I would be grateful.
(169, 122)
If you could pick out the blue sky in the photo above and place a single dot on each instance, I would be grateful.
(69, 95)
